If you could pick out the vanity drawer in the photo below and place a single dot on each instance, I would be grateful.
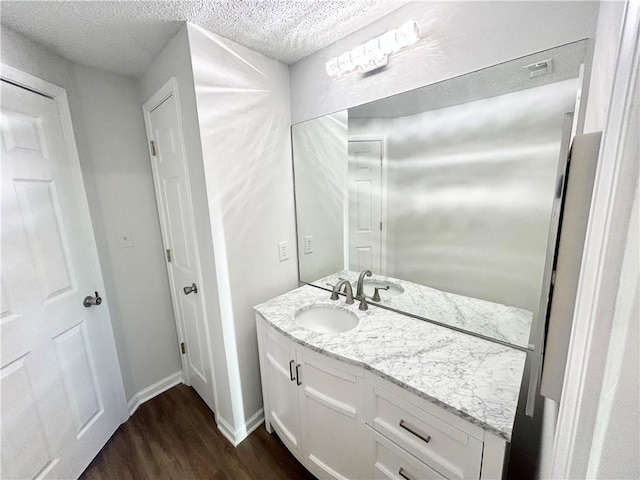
(392, 462)
(446, 449)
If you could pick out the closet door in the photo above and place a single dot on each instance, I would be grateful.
(173, 195)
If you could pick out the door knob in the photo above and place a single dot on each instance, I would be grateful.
(90, 301)
(190, 289)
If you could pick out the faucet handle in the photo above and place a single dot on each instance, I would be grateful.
(376, 293)
(334, 291)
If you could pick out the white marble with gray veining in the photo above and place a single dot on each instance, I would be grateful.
(473, 378)
(495, 320)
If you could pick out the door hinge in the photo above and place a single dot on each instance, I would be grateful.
(553, 278)
(153, 147)
(182, 347)
(380, 226)
(168, 251)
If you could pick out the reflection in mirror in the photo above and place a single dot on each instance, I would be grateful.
(445, 193)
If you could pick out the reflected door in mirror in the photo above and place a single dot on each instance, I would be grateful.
(365, 205)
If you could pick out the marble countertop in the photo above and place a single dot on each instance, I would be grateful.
(473, 378)
(495, 320)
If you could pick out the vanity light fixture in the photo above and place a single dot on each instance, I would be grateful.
(375, 53)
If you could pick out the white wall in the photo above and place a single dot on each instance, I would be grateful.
(460, 37)
(320, 169)
(243, 110)
(175, 61)
(617, 423)
(136, 278)
(470, 190)
(604, 64)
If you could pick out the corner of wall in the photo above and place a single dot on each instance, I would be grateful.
(244, 118)
(175, 61)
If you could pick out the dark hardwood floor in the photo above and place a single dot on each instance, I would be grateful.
(173, 436)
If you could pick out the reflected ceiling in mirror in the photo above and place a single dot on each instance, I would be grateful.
(444, 192)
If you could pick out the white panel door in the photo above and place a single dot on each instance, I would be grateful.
(365, 205)
(178, 232)
(62, 394)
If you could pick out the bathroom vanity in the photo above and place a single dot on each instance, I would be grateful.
(392, 397)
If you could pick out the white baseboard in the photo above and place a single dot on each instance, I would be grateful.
(154, 390)
(238, 435)
(226, 430)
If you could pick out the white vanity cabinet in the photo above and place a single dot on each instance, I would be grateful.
(343, 422)
(316, 405)
(415, 439)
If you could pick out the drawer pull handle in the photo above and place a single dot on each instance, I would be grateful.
(403, 474)
(425, 439)
(291, 375)
(298, 381)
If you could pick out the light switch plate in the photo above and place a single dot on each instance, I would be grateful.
(308, 244)
(283, 250)
(125, 239)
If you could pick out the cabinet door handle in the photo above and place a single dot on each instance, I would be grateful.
(404, 474)
(424, 438)
(291, 375)
(298, 381)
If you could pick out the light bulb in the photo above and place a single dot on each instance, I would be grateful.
(345, 64)
(333, 70)
(358, 56)
(371, 47)
(388, 42)
(407, 34)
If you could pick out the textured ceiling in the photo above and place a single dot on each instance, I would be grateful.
(124, 36)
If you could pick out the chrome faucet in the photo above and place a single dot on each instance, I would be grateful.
(348, 290)
(360, 289)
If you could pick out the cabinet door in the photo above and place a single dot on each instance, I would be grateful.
(282, 389)
(331, 401)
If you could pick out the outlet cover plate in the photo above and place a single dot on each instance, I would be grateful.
(283, 250)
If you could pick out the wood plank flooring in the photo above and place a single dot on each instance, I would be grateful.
(173, 436)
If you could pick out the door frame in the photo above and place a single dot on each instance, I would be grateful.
(59, 96)
(577, 436)
(382, 138)
(170, 88)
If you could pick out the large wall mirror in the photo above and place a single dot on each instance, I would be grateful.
(446, 193)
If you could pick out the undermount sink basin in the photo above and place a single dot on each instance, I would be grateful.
(326, 319)
(370, 285)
